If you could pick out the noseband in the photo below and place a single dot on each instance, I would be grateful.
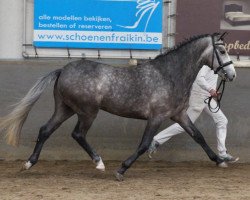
(221, 64)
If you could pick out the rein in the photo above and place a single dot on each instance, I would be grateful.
(223, 81)
(217, 98)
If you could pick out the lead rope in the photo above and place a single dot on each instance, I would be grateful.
(217, 99)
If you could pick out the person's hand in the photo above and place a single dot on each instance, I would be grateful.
(213, 93)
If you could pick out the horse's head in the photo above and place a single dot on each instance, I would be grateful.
(218, 58)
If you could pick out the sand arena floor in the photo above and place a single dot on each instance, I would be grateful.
(145, 180)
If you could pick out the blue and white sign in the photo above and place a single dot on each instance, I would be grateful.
(113, 24)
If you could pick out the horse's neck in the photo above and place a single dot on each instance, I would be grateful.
(192, 61)
(184, 64)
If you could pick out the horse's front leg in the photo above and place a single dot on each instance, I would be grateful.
(190, 128)
(151, 128)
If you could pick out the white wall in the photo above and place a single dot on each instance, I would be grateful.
(11, 29)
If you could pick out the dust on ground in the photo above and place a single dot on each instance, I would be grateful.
(144, 180)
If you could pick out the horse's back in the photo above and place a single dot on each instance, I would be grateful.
(125, 91)
(118, 90)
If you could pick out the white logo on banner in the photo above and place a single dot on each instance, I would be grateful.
(144, 7)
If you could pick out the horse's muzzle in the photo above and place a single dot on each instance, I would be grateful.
(230, 76)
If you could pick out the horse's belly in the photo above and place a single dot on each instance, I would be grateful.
(136, 112)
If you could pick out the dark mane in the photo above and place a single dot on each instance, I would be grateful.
(185, 42)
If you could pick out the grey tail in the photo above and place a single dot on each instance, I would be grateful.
(12, 123)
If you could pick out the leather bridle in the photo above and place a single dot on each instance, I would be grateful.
(223, 81)
(215, 52)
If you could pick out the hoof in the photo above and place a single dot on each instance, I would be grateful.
(26, 166)
(222, 165)
(100, 166)
(119, 177)
(234, 160)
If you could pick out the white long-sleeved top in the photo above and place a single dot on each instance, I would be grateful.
(205, 81)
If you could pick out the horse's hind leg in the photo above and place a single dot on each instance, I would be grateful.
(62, 113)
(190, 128)
(79, 134)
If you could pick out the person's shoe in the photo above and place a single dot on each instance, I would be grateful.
(229, 159)
(153, 148)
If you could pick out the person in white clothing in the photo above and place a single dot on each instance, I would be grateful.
(203, 87)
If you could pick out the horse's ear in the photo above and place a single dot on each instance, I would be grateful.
(223, 35)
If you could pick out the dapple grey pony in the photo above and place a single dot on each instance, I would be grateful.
(153, 91)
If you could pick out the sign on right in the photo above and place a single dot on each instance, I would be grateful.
(216, 16)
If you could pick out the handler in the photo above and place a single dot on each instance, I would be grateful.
(203, 87)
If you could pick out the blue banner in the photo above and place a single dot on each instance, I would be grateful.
(113, 24)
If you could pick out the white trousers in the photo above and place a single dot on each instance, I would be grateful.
(196, 106)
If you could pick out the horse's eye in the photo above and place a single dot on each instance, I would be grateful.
(222, 51)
